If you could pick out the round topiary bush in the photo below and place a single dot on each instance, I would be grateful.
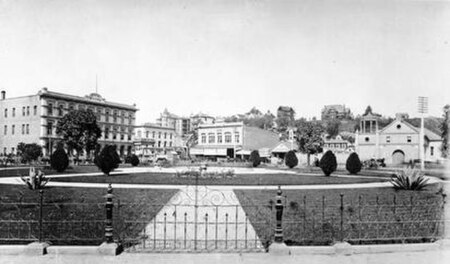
(108, 159)
(59, 160)
(353, 164)
(291, 159)
(255, 159)
(134, 160)
(328, 163)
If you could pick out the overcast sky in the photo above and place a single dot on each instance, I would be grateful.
(224, 57)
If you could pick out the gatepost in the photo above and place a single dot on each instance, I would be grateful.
(109, 247)
(278, 247)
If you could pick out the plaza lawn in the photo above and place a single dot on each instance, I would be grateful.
(240, 179)
(24, 170)
(75, 215)
(312, 217)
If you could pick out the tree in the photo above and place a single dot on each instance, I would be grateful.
(79, 130)
(332, 128)
(309, 138)
(134, 160)
(328, 163)
(59, 159)
(291, 159)
(353, 164)
(108, 159)
(29, 152)
(255, 158)
(191, 140)
(444, 132)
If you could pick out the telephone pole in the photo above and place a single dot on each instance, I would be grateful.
(422, 109)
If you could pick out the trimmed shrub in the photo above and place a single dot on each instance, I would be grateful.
(328, 163)
(134, 160)
(59, 159)
(353, 164)
(291, 159)
(108, 159)
(255, 159)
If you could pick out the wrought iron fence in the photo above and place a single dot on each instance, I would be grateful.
(220, 226)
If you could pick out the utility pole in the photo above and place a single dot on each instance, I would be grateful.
(422, 109)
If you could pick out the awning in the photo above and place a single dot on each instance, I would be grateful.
(208, 151)
(243, 152)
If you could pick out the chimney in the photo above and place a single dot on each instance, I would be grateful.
(3, 95)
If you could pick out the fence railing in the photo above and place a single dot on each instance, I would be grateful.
(253, 227)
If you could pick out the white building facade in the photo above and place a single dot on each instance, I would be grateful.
(33, 119)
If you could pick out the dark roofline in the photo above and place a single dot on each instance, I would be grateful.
(51, 94)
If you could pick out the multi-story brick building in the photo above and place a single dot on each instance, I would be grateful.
(332, 112)
(33, 119)
(153, 139)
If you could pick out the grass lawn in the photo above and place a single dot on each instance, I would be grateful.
(240, 179)
(313, 217)
(75, 215)
(12, 172)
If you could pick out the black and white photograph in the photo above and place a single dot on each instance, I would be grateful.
(224, 131)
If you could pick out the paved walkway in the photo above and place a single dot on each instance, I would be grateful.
(428, 257)
(217, 223)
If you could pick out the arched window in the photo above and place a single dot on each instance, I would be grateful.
(203, 138)
(211, 138)
(227, 137)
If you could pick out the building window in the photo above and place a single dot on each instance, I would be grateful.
(139, 134)
(107, 115)
(49, 128)
(5, 131)
(159, 134)
(159, 144)
(6, 112)
(50, 109)
(81, 107)
(28, 129)
(227, 137)
(219, 137)
(432, 151)
(23, 111)
(211, 138)
(367, 139)
(408, 139)
(115, 116)
(122, 136)
(236, 137)
(14, 112)
(60, 110)
(170, 135)
(170, 144)
(13, 129)
(28, 110)
(35, 110)
(203, 138)
(106, 132)
(147, 133)
(165, 135)
(388, 139)
(165, 144)
(153, 134)
(71, 107)
(23, 129)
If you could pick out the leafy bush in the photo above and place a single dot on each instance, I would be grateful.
(59, 159)
(29, 152)
(328, 163)
(409, 179)
(255, 159)
(291, 159)
(353, 164)
(134, 160)
(108, 159)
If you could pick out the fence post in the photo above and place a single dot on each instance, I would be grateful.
(109, 215)
(342, 218)
(279, 217)
(41, 204)
(109, 247)
(279, 248)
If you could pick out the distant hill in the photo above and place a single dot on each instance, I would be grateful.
(432, 123)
